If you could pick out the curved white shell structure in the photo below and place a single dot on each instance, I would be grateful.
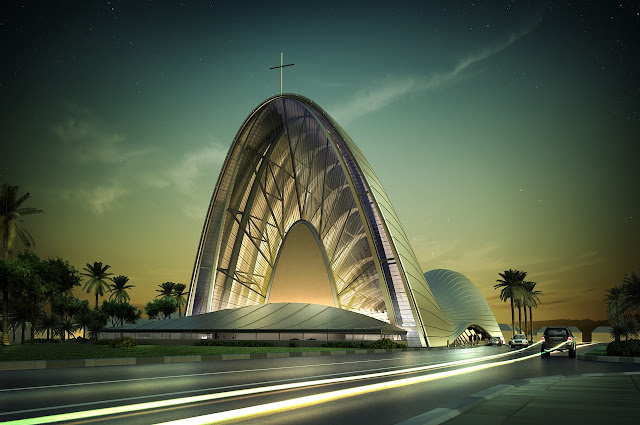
(291, 163)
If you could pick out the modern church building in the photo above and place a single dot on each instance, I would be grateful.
(290, 165)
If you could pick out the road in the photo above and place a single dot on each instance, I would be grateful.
(373, 389)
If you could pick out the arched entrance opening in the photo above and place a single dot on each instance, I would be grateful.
(300, 273)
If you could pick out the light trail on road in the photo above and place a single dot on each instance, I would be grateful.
(193, 375)
(362, 376)
(298, 385)
(348, 392)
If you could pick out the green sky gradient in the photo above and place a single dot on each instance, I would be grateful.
(506, 134)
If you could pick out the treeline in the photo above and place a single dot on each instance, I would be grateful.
(40, 293)
(623, 302)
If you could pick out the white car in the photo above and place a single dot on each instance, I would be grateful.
(519, 341)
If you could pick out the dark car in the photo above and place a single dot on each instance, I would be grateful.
(495, 340)
(559, 337)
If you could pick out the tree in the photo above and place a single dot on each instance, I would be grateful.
(18, 318)
(619, 309)
(6, 276)
(511, 284)
(631, 292)
(61, 276)
(49, 322)
(29, 291)
(531, 299)
(152, 310)
(11, 212)
(178, 294)
(119, 289)
(120, 313)
(83, 317)
(98, 277)
(518, 301)
(626, 325)
(11, 223)
(66, 306)
(166, 306)
(166, 290)
(98, 321)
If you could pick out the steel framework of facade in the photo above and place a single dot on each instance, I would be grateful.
(291, 163)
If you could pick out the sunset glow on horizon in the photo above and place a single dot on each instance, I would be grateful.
(504, 134)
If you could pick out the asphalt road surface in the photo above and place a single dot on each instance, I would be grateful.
(351, 389)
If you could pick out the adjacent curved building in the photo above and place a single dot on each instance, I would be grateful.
(463, 303)
(292, 164)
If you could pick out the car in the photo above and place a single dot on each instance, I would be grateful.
(495, 340)
(519, 341)
(558, 339)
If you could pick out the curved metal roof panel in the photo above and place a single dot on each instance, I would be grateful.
(273, 317)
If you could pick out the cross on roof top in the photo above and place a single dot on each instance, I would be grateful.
(281, 66)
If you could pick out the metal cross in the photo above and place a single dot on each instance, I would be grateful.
(281, 66)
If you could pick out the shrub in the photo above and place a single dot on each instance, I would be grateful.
(385, 343)
(381, 343)
(630, 348)
(344, 344)
(43, 341)
(232, 343)
(123, 342)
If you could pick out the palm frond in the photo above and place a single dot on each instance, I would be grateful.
(29, 211)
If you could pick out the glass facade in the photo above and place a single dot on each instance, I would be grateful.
(290, 162)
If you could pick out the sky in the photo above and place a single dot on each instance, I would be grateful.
(505, 133)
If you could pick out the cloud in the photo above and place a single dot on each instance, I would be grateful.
(393, 89)
(195, 165)
(448, 255)
(554, 266)
(374, 99)
(99, 199)
(90, 143)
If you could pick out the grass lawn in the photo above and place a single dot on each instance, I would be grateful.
(598, 351)
(92, 351)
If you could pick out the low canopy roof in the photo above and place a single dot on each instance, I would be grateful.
(275, 317)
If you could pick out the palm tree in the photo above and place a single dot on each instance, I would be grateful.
(178, 294)
(48, 322)
(511, 284)
(82, 320)
(11, 225)
(519, 303)
(119, 289)
(531, 299)
(166, 290)
(631, 292)
(615, 300)
(10, 218)
(98, 277)
(616, 303)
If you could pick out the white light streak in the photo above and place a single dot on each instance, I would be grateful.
(286, 404)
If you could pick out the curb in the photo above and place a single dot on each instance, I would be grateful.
(127, 361)
(443, 414)
(609, 359)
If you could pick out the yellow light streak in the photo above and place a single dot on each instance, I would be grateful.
(332, 395)
(287, 403)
